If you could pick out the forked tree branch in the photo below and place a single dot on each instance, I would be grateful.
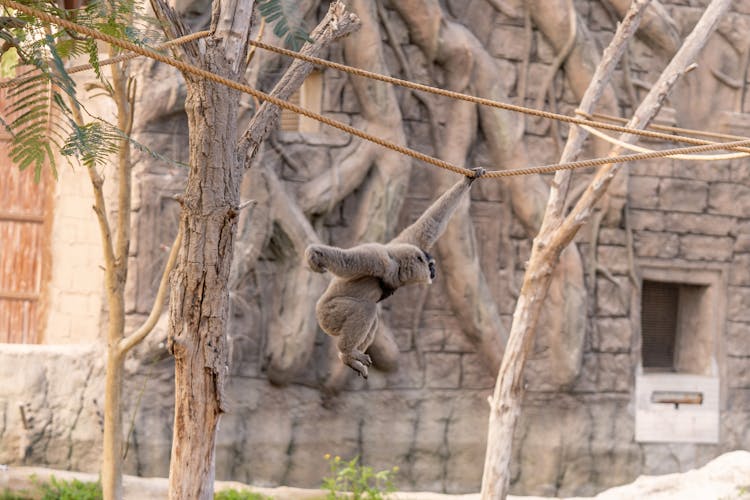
(505, 404)
(647, 110)
(127, 343)
(599, 81)
(549, 244)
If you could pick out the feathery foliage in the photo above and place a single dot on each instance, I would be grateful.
(289, 23)
(39, 117)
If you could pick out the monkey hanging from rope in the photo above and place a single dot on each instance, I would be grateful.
(368, 273)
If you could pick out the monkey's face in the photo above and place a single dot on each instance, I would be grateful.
(431, 265)
(414, 265)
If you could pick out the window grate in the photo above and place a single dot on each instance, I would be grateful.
(659, 308)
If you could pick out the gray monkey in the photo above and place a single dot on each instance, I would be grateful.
(368, 273)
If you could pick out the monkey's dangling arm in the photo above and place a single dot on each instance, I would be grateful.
(362, 260)
(432, 223)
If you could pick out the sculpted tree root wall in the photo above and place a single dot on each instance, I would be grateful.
(448, 339)
(468, 67)
(425, 408)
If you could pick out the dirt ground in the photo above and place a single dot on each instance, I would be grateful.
(724, 478)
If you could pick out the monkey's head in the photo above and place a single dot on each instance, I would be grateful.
(414, 264)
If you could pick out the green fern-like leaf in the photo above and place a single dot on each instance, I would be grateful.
(117, 134)
(92, 143)
(286, 19)
(38, 116)
(93, 52)
(36, 125)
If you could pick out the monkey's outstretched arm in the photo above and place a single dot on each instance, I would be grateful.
(432, 223)
(363, 260)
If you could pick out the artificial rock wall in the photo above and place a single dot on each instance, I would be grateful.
(430, 416)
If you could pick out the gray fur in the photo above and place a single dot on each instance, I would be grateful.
(367, 273)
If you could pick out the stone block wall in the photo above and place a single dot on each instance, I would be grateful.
(430, 416)
(571, 440)
(77, 282)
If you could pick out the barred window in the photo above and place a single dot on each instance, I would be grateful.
(674, 332)
(659, 309)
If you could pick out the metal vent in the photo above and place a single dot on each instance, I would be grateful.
(659, 305)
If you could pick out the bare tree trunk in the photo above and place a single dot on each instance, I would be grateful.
(116, 279)
(199, 304)
(112, 441)
(556, 233)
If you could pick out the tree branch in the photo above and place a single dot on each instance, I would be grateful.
(336, 24)
(232, 22)
(599, 81)
(100, 208)
(173, 27)
(647, 110)
(124, 97)
(127, 343)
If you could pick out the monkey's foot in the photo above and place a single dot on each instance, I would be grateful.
(315, 259)
(357, 361)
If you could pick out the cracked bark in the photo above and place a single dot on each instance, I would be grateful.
(199, 303)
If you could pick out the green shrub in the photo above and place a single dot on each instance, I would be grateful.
(13, 495)
(70, 490)
(350, 480)
(239, 495)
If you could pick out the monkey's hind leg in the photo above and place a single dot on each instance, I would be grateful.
(351, 321)
(353, 355)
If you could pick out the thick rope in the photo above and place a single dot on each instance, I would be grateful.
(586, 121)
(597, 162)
(641, 149)
(502, 105)
(188, 68)
(666, 128)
